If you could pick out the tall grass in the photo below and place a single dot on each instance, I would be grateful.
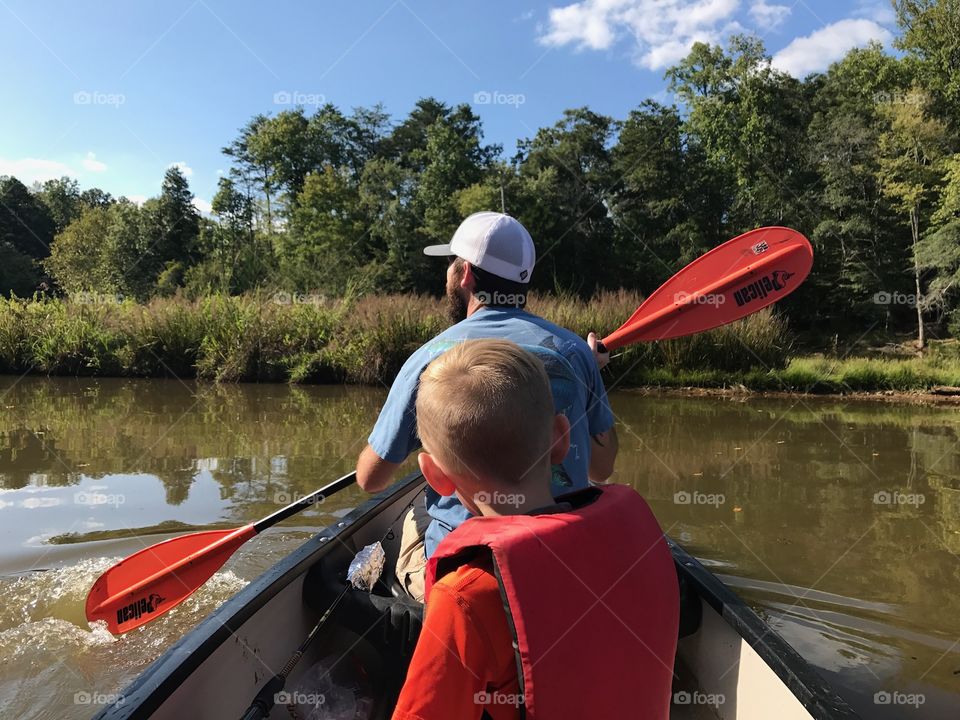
(867, 374)
(366, 340)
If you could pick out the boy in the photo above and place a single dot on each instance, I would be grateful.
(561, 609)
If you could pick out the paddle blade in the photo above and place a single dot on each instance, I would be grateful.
(156, 579)
(730, 282)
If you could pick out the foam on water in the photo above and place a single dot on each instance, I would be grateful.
(60, 666)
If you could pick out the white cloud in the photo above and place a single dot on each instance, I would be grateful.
(41, 502)
(202, 205)
(828, 44)
(31, 170)
(876, 10)
(580, 23)
(184, 168)
(137, 199)
(663, 30)
(91, 163)
(768, 17)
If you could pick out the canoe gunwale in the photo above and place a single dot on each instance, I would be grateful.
(809, 687)
(153, 686)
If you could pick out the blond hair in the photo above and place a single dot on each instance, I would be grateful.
(485, 408)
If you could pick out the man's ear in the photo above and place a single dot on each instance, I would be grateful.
(561, 439)
(435, 475)
(468, 280)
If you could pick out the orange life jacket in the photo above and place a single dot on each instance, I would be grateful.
(592, 597)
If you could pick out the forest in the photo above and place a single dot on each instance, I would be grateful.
(864, 159)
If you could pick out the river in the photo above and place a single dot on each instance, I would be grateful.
(839, 521)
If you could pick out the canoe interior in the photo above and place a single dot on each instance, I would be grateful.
(730, 665)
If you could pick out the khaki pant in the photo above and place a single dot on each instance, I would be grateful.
(412, 563)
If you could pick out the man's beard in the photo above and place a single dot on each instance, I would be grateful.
(456, 305)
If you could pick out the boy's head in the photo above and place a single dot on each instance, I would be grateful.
(486, 419)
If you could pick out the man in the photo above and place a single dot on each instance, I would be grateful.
(487, 281)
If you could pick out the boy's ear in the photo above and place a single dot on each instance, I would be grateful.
(435, 475)
(561, 439)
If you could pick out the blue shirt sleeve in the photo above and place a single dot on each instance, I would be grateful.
(599, 414)
(394, 435)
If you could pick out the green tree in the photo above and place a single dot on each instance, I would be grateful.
(665, 215)
(931, 37)
(453, 164)
(95, 197)
(126, 254)
(18, 273)
(103, 251)
(230, 248)
(77, 259)
(251, 171)
(283, 144)
(62, 198)
(860, 253)
(325, 246)
(911, 171)
(386, 198)
(171, 227)
(480, 196)
(563, 193)
(750, 120)
(26, 224)
(938, 251)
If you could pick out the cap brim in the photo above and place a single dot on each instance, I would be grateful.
(438, 250)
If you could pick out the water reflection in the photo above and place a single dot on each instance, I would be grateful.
(230, 453)
(838, 520)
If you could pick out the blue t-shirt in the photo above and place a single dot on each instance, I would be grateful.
(575, 380)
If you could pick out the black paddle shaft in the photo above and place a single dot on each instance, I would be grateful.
(313, 498)
(263, 703)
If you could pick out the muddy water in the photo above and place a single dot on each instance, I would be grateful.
(839, 522)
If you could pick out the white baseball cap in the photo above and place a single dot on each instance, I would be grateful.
(493, 242)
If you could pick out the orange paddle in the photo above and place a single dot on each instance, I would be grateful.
(156, 579)
(730, 282)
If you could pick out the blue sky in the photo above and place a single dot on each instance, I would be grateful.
(114, 92)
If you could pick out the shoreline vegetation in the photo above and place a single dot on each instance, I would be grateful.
(297, 338)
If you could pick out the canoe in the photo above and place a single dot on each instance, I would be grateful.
(730, 664)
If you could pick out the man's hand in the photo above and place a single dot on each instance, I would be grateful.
(602, 358)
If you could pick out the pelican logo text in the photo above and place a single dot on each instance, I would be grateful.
(758, 289)
(135, 610)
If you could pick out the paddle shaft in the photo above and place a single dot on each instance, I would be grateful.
(267, 697)
(313, 498)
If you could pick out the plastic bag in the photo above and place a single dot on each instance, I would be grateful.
(366, 568)
(323, 693)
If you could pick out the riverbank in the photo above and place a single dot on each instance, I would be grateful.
(310, 339)
(935, 378)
